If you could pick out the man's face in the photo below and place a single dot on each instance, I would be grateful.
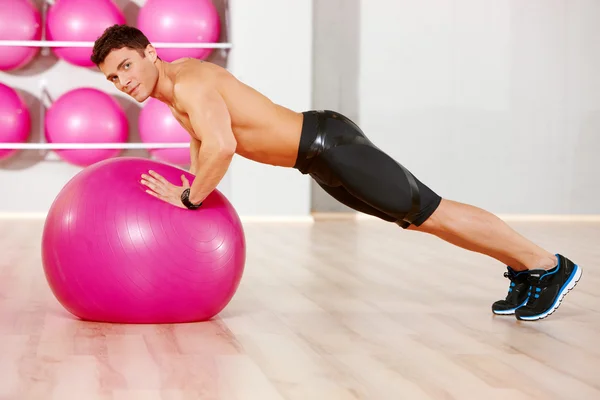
(130, 72)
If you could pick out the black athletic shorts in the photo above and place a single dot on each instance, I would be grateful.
(342, 160)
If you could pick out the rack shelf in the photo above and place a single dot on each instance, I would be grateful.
(164, 45)
(71, 146)
(45, 44)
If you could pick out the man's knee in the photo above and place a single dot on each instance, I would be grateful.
(427, 203)
(431, 221)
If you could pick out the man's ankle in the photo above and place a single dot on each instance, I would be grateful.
(546, 263)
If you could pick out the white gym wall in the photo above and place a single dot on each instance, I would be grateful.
(272, 51)
(495, 103)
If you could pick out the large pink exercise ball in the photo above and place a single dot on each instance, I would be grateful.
(86, 115)
(157, 124)
(113, 253)
(195, 21)
(19, 20)
(81, 21)
(15, 120)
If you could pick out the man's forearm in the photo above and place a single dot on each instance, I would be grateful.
(194, 150)
(212, 168)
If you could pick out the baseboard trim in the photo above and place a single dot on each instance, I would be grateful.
(244, 219)
(277, 219)
(343, 216)
(551, 217)
(328, 216)
(526, 217)
(23, 215)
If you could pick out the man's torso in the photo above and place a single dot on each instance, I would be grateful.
(265, 132)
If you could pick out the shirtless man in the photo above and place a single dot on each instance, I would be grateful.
(225, 117)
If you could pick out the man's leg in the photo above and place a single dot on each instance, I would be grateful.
(478, 230)
(374, 178)
(344, 197)
(539, 279)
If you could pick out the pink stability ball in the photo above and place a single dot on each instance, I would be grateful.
(19, 20)
(80, 20)
(15, 120)
(113, 253)
(86, 115)
(158, 125)
(180, 21)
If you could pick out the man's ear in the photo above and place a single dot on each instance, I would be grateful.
(151, 53)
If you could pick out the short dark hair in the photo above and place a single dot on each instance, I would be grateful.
(117, 37)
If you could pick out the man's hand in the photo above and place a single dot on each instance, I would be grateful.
(161, 188)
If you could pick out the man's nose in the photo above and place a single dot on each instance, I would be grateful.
(125, 82)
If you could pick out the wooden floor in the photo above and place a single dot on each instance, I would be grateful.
(331, 310)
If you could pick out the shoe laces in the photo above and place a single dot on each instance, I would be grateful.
(512, 281)
(531, 300)
(536, 284)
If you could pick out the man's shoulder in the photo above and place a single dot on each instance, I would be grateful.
(188, 81)
(194, 75)
(192, 87)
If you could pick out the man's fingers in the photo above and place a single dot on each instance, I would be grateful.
(154, 194)
(158, 177)
(151, 183)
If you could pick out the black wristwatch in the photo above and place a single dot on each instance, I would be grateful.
(185, 199)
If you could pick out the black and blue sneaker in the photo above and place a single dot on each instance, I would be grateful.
(547, 289)
(518, 292)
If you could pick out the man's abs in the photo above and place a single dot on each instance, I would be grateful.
(265, 132)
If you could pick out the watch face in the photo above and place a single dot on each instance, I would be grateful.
(186, 200)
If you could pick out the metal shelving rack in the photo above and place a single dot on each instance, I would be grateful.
(45, 45)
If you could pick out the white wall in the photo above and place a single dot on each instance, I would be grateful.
(272, 51)
(495, 103)
(336, 33)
